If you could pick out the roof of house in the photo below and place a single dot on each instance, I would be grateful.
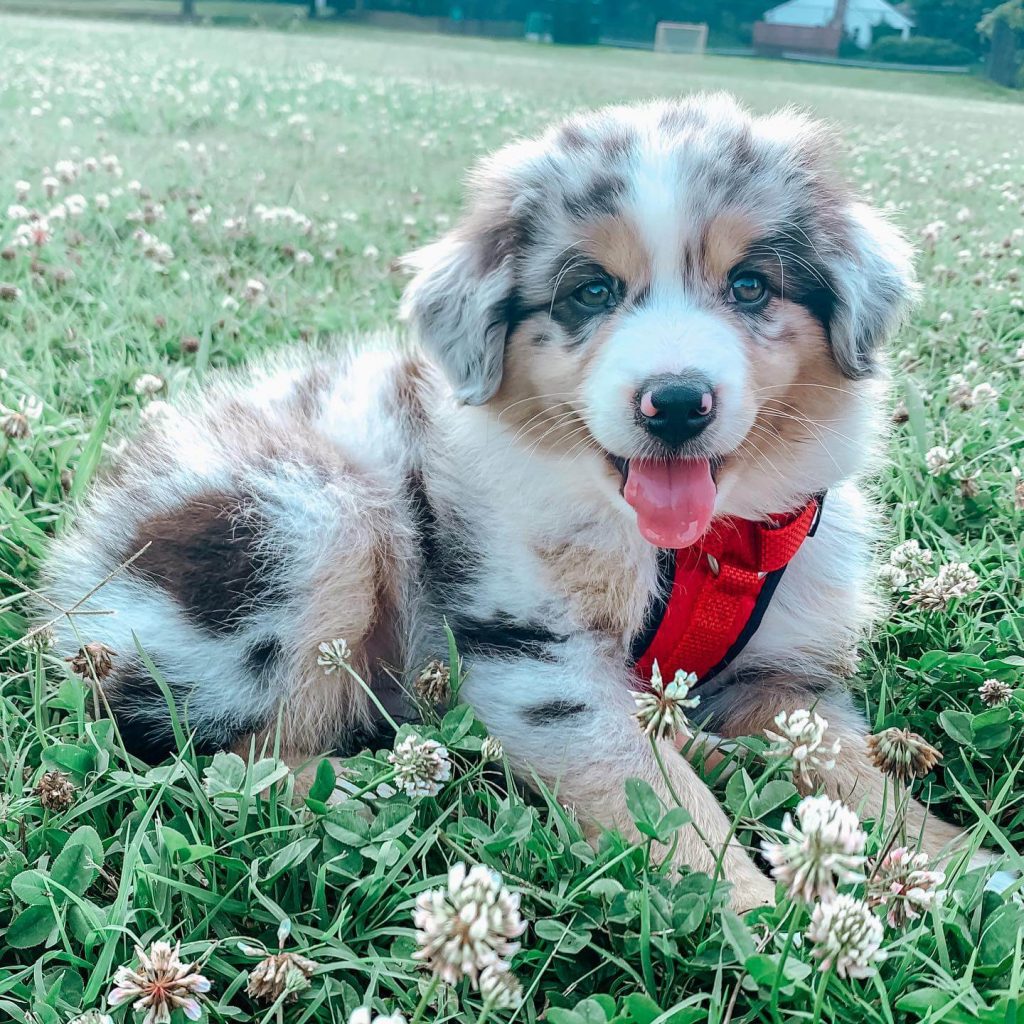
(820, 12)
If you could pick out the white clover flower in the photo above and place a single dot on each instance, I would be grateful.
(160, 985)
(955, 579)
(364, 1015)
(421, 766)
(469, 926)
(500, 988)
(148, 384)
(827, 846)
(254, 290)
(21, 190)
(661, 710)
(983, 393)
(40, 639)
(157, 410)
(280, 974)
(492, 749)
(939, 460)
(17, 212)
(157, 252)
(333, 655)
(801, 736)
(994, 692)
(913, 559)
(50, 186)
(92, 1017)
(903, 884)
(66, 170)
(36, 233)
(101, 201)
(846, 936)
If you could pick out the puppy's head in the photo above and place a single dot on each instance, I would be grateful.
(689, 292)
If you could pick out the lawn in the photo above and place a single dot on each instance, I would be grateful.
(207, 194)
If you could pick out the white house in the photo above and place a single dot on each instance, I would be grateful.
(859, 21)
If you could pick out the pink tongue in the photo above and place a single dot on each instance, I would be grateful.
(674, 501)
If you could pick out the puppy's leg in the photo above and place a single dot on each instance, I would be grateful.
(230, 590)
(747, 708)
(563, 711)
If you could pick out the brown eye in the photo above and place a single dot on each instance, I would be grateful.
(594, 295)
(749, 289)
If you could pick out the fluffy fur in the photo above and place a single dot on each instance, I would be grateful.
(376, 494)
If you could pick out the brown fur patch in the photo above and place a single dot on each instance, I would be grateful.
(616, 244)
(802, 398)
(411, 383)
(600, 584)
(308, 394)
(538, 390)
(723, 242)
(797, 389)
(206, 554)
(354, 598)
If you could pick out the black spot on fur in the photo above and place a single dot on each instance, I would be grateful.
(263, 657)
(504, 636)
(599, 198)
(448, 560)
(618, 143)
(572, 137)
(553, 712)
(144, 719)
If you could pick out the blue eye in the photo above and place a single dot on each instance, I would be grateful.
(594, 295)
(748, 289)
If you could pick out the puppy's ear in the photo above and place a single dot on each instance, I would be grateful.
(875, 288)
(459, 303)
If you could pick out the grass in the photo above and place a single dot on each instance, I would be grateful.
(361, 140)
(217, 12)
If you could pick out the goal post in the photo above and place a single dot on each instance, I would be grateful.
(680, 37)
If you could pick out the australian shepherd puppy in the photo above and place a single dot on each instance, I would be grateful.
(648, 319)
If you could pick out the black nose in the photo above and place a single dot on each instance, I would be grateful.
(676, 409)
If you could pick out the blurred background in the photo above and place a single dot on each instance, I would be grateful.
(965, 36)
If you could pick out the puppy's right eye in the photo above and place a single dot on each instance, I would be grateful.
(594, 294)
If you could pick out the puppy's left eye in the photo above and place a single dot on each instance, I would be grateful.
(749, 289)
(595, 294)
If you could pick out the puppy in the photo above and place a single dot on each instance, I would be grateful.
(653, 325)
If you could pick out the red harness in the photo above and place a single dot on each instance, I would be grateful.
(715, 593)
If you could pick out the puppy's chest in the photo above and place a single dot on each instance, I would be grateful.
(601, 589)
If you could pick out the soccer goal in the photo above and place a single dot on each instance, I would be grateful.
(680, 37)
